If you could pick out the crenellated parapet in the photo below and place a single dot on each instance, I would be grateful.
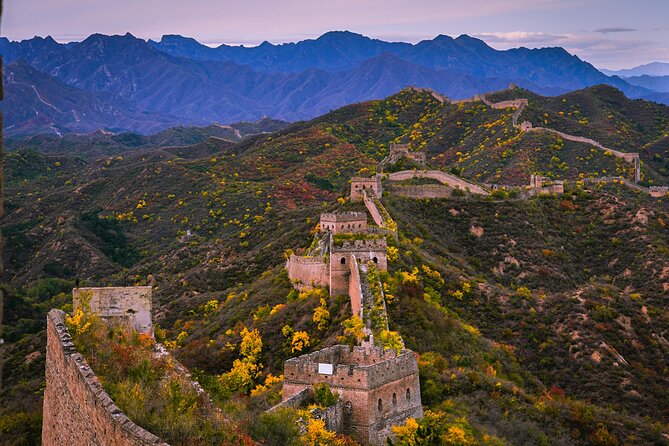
(371, 185)
(380, 388)
(340, 222)
(306, 272)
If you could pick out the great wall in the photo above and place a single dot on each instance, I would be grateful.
(77, 410)
(378, 388)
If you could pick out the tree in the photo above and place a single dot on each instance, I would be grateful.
(321, 315)
(300, 341)
(354, 330)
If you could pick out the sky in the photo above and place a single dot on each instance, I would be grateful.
(611, 34)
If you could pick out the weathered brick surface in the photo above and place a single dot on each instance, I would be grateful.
(132, 303)
(359, 184)
(338, 222)
(443, 177)
(308, 271)
(362, 377)
(421, 191)
(77, 410)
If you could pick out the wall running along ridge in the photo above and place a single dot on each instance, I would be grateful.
(373, 210)
(421, 191)
(442, 177)
(77, 411)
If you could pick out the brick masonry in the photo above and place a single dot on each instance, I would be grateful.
(77, 411)
(131, 303)
(379, 389)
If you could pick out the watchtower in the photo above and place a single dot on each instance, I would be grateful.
(342, 222)
(371, 185)
(380, 388)
(132, 303)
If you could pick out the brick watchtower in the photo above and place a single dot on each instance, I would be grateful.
(380, 389)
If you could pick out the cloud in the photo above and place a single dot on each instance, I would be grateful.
(615, 29)
(520, 37)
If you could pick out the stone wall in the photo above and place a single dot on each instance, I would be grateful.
(355, 288)
(629, 157)
(398, 151)
(442, 177)
(77, 411)
(373, 209)
(338, 222)
(421, 191)
(308, 271)
(658, 191)
(358, 185)
(379, 388)
(131, 303)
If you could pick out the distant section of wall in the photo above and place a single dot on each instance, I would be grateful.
(131, 303)
(443, 177)
(308, 271)
(421, 191)
(630, 157)
(77, 411)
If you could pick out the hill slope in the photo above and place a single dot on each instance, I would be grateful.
(519, 340)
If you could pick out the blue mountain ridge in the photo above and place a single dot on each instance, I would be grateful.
(180, 77)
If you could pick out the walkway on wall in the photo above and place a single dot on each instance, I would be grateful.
(443, 177)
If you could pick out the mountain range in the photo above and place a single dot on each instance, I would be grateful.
(649, 69)
(124, 83)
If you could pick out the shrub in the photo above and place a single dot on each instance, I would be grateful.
(324, 396)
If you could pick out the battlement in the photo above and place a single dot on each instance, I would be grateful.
(302, 260)
(360, 184)
(131, 303)
(359, 367)
(380, 387)
(308, 271)
(514, 103)
(362, 245)
(337, 222)
(658, 191)
(77, 410)
(398, 151)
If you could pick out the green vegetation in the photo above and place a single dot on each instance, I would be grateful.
(496, 361)
(146, 386)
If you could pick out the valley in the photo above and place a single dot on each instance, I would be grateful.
(520, 310)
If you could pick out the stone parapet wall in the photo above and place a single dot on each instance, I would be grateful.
(373, 209)
(421, 191)
(77, 410)
(442, 177)
(658, 191)
(355, 288)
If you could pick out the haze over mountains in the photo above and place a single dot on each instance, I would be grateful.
(124, 83)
